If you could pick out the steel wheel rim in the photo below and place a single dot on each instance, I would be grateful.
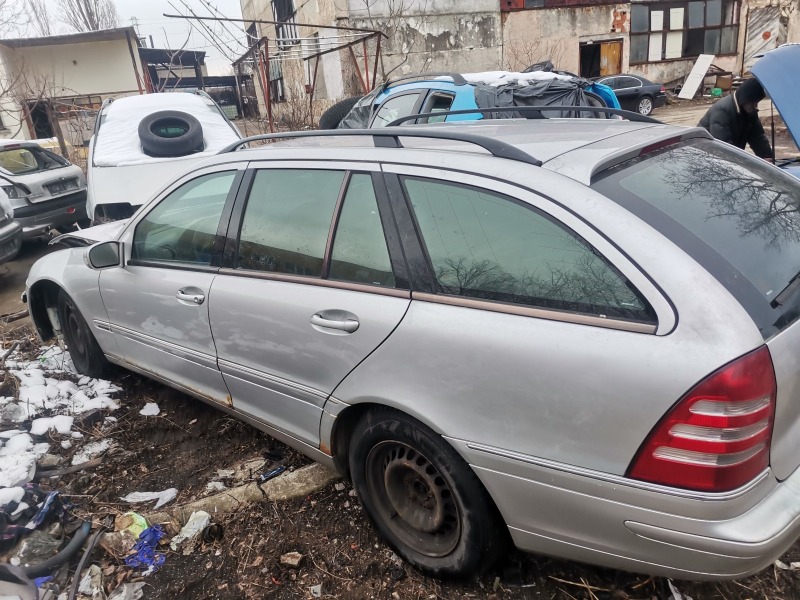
(414, 500)
(645, 106)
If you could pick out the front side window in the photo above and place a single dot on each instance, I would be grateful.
(183, 226)
(436, 102)
(359, 252)
(394, 108)
(487, 246)
(287, 220)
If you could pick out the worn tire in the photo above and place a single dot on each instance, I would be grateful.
(331, 118)
(83, 348)
(422, 497)
(168, 133)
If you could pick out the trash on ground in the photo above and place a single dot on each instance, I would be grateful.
(271, 473)
(794, 566)
(92, 583)
(216, 486)
(292, 559)
(145, 554)
(316, 590)
(90, 451)
(163, 497)
(676, 595)
(194, 526)
(128, 591)
(150, 410)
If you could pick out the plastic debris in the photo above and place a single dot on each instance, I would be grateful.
(676, 595)
(128, 591)
(316, 590)
(150, 410)
(92, 583)
(132, 522)
(163, 497)
(271, 473)
(194, 526)
(216, 486)
(292, 559)
(90, 451)
(784, 567)
(145, 554)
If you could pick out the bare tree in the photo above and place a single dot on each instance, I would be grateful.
(521, 54)
(13, 18)
(88, 15)
(40, 20)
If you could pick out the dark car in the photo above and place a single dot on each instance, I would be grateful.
(636, 93)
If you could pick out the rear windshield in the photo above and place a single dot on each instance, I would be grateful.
(735, 214)
(19, 161)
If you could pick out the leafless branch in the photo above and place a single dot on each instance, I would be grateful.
(88, 15)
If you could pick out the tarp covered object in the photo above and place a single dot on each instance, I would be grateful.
(551, 92)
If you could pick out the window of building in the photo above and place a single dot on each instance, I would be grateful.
(286, 29)
(252, 34)
(675, 30)
(277, 91)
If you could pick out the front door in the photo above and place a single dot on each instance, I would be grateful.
(310, 291)
(157, 303)
(610, 58)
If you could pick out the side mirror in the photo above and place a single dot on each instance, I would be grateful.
(104, 255)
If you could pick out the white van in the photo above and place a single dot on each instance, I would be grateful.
(141, 142)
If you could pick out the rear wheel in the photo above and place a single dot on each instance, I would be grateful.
(422, 497)
(645, 106)
(83, 348)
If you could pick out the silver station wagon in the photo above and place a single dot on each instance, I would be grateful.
(577, 335)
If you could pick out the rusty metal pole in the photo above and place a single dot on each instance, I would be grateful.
(366, 64)
(267, 95)
(358, 69)
(375, 66)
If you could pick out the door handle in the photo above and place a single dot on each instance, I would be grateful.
(348, 325)
(193, 298)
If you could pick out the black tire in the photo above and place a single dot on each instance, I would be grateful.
(645, 106)
(331, 118)
(422, 497)
(170, 133)
(83, 348)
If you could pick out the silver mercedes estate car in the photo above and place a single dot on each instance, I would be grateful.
(581, 336)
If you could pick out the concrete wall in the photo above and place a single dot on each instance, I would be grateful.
(530, 36)
(793, 30)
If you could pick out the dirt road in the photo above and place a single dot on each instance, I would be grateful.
(14, 273)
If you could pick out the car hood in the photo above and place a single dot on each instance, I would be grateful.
(776, 72)
(99, 233)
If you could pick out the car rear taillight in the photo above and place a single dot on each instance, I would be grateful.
(663, 90)
(717, 437)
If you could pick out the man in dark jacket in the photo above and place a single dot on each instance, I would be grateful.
(734, 119)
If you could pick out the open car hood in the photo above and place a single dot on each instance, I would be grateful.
(779, 74)
(91, 235)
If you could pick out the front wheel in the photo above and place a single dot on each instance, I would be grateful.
(83, 348)
(645, 106)
(422, 497)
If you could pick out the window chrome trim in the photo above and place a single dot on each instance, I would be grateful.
(539, 313)
(307, 280)
(618, 479)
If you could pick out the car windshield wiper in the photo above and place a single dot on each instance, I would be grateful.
(787, 292)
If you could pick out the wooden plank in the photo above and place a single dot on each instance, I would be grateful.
(696, 77)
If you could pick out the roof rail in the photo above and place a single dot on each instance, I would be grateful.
(535, 111)
(457, 78)
(390, 138)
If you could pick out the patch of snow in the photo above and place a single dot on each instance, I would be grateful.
(150, 410)
(18, 443)
(216, 486)
(61, 423)
(11, 494)
(163, 497)
(17, 469)
(90, 451)
(39, 450)
(498, 78)
(22, 507)
(4, 435)
(66, 444)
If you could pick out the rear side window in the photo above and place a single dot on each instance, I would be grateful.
(483, 245)
(287, 220)
(740, 211)
(20, 161)
(394, 108)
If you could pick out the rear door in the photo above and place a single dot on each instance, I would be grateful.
(309, 289)
(628, 90)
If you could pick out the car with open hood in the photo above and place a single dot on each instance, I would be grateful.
(778, 71)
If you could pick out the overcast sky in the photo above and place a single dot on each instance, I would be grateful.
(172, 33)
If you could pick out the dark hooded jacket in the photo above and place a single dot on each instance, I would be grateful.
(727, 123)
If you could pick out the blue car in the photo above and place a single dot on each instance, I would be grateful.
(443, 92)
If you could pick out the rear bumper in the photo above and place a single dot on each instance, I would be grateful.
(642, 528)
(10, 241)
(38, 217)
(659, 101)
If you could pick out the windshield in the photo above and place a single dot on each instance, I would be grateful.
(19, 161)
(740, 207)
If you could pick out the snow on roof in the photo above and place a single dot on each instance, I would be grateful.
(498, 78)
(118, 144)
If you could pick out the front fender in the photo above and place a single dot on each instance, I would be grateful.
(67, 270)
